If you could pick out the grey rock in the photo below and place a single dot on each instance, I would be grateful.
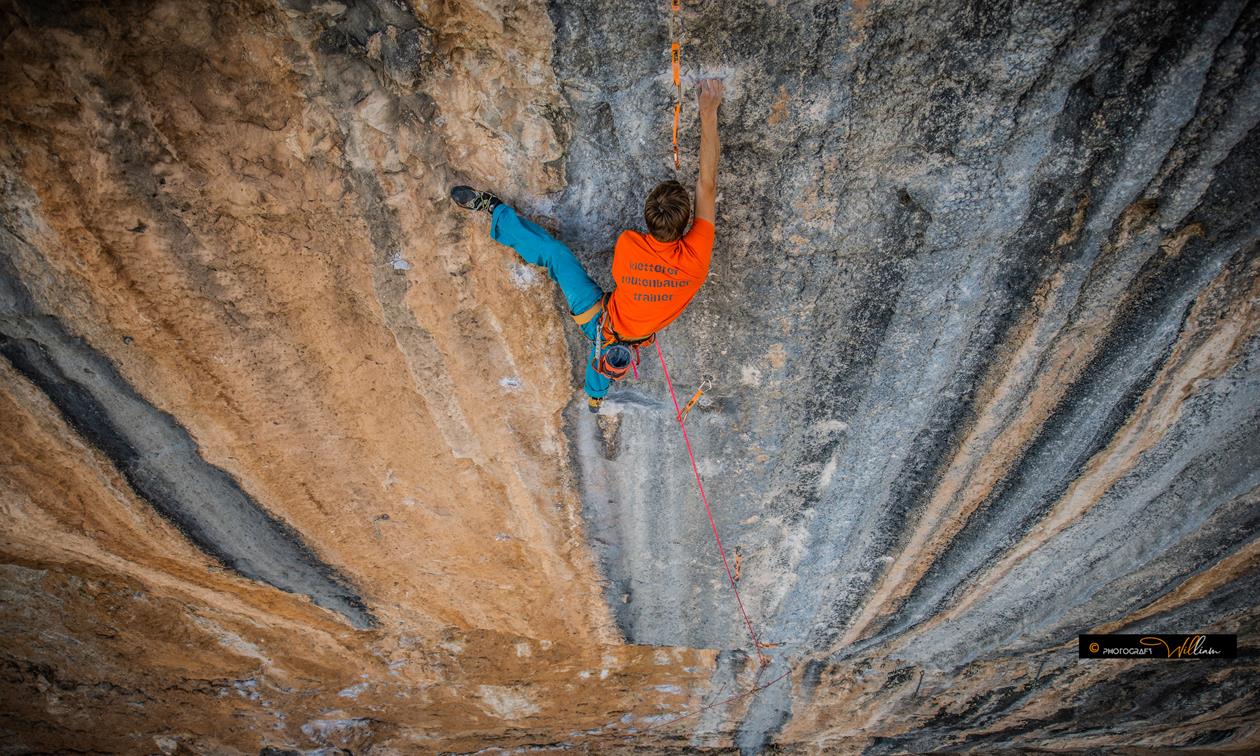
(921, 200)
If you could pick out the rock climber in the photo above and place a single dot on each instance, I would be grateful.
(655, 275)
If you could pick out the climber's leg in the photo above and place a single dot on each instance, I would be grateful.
(597, 383)
(537, 247)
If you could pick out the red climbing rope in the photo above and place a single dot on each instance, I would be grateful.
(704, 498)
(762, 659)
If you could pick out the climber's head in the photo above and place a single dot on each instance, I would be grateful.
(667, 211)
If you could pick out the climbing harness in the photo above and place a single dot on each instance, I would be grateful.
(586, 316)
(618, 357)
(615, 355)
(675, 59)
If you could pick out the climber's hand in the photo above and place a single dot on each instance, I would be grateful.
(710, 95)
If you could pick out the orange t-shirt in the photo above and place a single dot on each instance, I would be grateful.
(655, 280)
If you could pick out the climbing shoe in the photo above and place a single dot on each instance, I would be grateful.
(593, 404)
(466, 196)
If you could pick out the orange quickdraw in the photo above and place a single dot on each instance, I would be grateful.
(675, 56)
(695, 398)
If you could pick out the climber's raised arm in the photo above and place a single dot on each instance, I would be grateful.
(706, 187)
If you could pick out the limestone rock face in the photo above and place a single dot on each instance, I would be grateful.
(982, 331)
(292, 457)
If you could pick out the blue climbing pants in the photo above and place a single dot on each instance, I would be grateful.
(537, 247)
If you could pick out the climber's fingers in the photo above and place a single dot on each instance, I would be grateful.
(711, 91)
